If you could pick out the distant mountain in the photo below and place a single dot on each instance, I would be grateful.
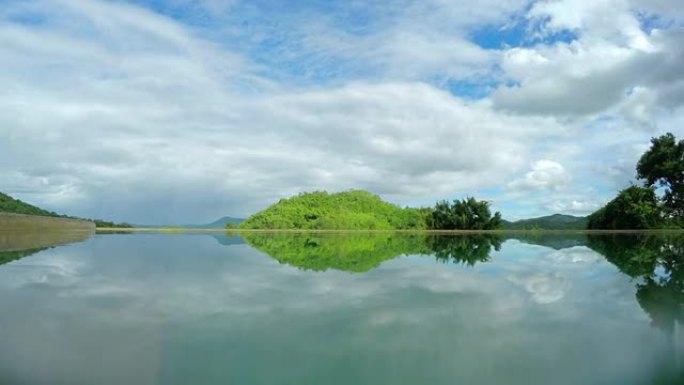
(228, 241)
(549, 222)
(554, 241)
(217, 224)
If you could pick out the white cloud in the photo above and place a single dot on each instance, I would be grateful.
(111, 109)
(574, 206)
(545, 175)
(611, 58)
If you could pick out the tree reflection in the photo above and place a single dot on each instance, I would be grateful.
(359, 252)
(464, 249)
(657, 261)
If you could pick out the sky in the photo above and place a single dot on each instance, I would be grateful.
(184, 111)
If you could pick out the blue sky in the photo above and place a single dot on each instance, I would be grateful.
(183, 111)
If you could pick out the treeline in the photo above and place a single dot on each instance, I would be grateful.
(109, 224)
(661, 168)
(362, 210)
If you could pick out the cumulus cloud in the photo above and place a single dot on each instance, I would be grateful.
(574, 206)
(126, 111)
(545, 174)
(612, 56)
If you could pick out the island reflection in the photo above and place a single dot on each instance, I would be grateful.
(654, 261)
(360, 252)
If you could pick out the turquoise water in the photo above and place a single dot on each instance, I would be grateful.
(344, 309)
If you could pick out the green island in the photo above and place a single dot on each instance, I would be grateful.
(362, 210)
(656, 205)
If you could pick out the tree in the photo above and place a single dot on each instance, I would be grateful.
(634, 208)
(663, 165)
(466, 214)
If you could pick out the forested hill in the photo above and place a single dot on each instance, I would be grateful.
(550, 222)
(349, 210)
(15, 206)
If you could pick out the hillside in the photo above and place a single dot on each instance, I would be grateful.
(549, 222)
(15, 206)
(349, 210)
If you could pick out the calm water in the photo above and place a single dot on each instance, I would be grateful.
(343, 309)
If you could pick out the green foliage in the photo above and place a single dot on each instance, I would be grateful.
(359, 252)
(663, 165)
(361, 210)
(634, 208)
(467, 214)
(350, 210)
(15, 206)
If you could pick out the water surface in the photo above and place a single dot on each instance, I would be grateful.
(344, 309)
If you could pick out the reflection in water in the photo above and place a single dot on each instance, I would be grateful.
(228, 239)
(9, 256)
(658, 262)
(195, 308)
(467, 250)
(556, 241)
(360, 252)
(19, 244)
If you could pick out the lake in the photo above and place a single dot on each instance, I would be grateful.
(214, 308)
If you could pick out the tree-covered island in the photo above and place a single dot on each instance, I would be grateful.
(657, 204)
(362, 210)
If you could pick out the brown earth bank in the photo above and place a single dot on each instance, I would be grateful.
(35, 222)
(21, 232)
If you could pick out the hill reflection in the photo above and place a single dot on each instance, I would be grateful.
(656, 262)
(359, 252)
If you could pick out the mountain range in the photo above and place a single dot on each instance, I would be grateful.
(549, 222)
(217, 224)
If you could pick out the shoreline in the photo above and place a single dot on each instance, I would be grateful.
(462, 232)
